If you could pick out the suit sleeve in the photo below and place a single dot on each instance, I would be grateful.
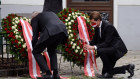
(108, 31)
(34, 24)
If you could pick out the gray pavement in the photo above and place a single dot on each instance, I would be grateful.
(131, 57)
(66, 69)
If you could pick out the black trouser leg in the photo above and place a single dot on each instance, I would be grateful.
(38, 49)
(119, 70)
(53, 61)
(108, 58)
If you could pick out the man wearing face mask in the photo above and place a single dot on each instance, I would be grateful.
(109, 46)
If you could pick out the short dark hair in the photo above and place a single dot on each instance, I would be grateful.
(95, 15)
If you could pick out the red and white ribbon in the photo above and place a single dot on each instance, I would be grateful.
(90, 59)
(34, 69)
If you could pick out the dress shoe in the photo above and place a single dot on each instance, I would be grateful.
(56, 76)
(45, 77)
(106, 75)
(130, 69)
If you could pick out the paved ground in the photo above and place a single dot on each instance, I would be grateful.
(131, 57)
(66, 69)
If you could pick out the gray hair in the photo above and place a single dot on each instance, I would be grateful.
(34, 14)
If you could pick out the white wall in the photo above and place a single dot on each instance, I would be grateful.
(22, 2)
(22, 6)
(127, 21)
(27, 2)
(122, 2)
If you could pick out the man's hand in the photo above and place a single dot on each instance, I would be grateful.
(88, 47)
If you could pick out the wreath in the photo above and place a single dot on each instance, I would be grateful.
(73, 50)
(12, 28)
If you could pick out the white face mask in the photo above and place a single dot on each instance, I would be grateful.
(94, 25)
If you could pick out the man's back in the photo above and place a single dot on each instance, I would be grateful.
(51, 22)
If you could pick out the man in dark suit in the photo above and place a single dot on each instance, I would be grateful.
(52, 5)
(109, 46)
(52, 32)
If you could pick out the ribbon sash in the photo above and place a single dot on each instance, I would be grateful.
(90, 58)
(34, 69)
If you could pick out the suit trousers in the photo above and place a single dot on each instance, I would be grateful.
(109, 60)
(51, 44)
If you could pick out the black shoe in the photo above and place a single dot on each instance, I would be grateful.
(130, 69)
(106, 75)
(45, 77)
(56, 76)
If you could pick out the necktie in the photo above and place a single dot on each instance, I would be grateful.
(100, 32)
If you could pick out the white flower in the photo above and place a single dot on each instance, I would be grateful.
(72, 20)
(27, 20)
(17, 33)
(78, 13)
(19, 36)
(70, 31)
(73, 47)
(71, 35)
(69, 27)
(66, 20)
(76, 51)
(16, 30)
(16, 36)
(74, 17)
(19, 42)
(72, 40)
(66, 24)
(16, 18)
(13, 27)
(84, 54)
(87, 19)
(24, 18)
(78, 47)
(13, 23)
(69, 14)
(69, 23)
(74, 44)
(24, 45)
(22, 40)
(72, 13)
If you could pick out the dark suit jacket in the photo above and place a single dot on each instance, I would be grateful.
(52, 5)
(109, 38)
(48, 24)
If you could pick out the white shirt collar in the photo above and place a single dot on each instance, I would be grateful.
(100, 24)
